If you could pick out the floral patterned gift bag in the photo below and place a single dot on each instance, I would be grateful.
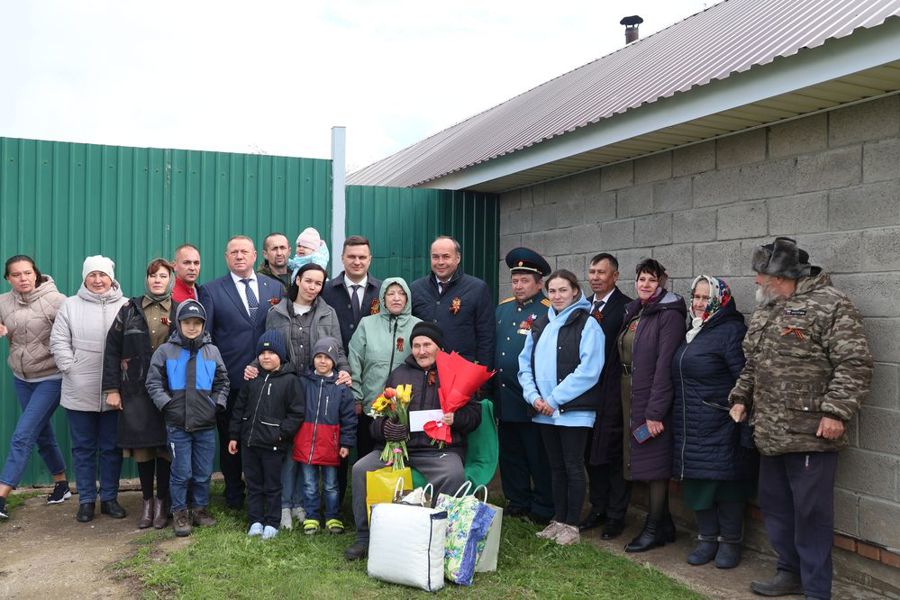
(468, 522)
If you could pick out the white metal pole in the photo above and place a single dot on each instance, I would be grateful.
(338, 195)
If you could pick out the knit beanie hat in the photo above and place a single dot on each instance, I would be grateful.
(781, 258)
(429, 330)
(98, 263)
(327, 346)
(273, 341)
(309, 238)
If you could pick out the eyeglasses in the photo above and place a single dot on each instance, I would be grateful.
(703, 298)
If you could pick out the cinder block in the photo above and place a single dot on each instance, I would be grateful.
(507, 243)
(697, 225)
(743, 290)
(866, 121)
(874, 296)
(584, 238)
(696, 158)
(878, 429)
(881, 160)
(878, 521)
(717, 187)
(834, 252)
(884, 339)
(804, 213)
(653, 168)
(617, 234)
(827, 170)
(617, 176)
(628, 260)
(535, 241)
(769, 179)
(582, 186)
(570, 213)
(867, 205)
(741, 149)
(558, 242)
(545, 217)
(881, 249)
(673, 194)
(635, 200)
(516, 222)
(510, 201)
(600, 208)
(745, 219)
(846, 511)
(748, 247)
(809, 134)
(885, 387)
(653, 230)
(539, 195)
(574, 263)
(678, 260)
(871, 473)
(720, 259)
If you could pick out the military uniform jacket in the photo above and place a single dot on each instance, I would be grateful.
(807, 358)
(514, 322)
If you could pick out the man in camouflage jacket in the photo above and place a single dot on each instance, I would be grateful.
(808, 368)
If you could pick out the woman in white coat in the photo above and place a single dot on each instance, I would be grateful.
(77, 341)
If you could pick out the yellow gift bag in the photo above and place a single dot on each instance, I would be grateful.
(381, 484)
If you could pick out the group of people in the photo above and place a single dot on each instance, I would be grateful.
(592, 391)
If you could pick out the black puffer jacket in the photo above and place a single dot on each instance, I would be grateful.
(425, 397)
(268, 410)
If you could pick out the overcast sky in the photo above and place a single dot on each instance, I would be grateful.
(274, 77)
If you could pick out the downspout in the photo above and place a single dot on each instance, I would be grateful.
(338, 195)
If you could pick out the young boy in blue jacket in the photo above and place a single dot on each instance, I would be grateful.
(266, 414)
(188, 383)
(325, 437)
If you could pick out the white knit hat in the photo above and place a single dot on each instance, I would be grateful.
(309, 238)
(98, 263)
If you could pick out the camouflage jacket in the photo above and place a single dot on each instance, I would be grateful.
(807, 358)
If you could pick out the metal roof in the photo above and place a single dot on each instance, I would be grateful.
(729, 38)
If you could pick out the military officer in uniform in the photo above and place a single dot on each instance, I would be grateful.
(524, 471)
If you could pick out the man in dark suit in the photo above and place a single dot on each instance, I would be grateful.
(236, 307)
(353, 295)
(609, 492)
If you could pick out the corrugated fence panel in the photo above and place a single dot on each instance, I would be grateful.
(60, 202)
(402, 222)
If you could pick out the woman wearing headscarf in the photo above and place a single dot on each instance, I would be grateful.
(712, 457)
(652, 329)
(26, 317)
(77, 341)
(141, 326)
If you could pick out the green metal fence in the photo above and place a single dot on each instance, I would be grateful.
(60, 202)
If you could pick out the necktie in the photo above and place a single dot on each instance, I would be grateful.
(252, 302)
(355, 301)
(598, 304)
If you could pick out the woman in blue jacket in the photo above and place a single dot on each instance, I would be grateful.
(713, 455)
(559, 369)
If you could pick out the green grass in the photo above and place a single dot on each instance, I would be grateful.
(222, 562)
(17, 499)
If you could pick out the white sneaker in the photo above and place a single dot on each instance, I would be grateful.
(299, 514)
(269, 532)
(255, 529)
(549, 532)
(286, 522)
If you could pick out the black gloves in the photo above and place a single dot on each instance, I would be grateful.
(394, 432)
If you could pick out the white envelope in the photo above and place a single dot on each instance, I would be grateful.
(418, 418)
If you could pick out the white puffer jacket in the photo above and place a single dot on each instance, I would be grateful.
(77, 342)
(29, 318)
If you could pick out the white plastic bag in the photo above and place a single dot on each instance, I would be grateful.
(406, 545)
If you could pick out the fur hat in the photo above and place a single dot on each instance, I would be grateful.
(327, 346)
(309, 238)
(782, 258)
(429, 330)
(273, 341)
(98, 263)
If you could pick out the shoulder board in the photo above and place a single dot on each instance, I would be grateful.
(505, 300)
(546, 302)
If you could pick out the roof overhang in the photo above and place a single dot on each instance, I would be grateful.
(840, 72)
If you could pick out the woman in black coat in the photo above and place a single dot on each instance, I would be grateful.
(141, 326)
(713, 454)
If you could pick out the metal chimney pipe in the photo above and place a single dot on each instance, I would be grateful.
(631, 28)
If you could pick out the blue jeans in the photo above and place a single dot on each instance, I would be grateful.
(311, 491)
(38, 402)
(93, 432)
(291, 482)
(193, 453)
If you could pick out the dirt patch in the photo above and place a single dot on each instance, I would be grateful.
(45, 552)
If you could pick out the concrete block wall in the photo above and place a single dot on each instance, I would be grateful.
(830, 180)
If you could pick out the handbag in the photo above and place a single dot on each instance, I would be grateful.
(406, 542)
(468, 522)
(381, 485)
(487, 558)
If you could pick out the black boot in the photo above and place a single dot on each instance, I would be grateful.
(668, 526)
(112, 508)
(651, 537)
(357, 550)
(731, 526)
(708, 529)
(85, 512)
(784, 583)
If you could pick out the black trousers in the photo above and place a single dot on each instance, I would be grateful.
(608, 491)
(364, 445)
(796, 495)
(565, 452)
(230, 463)
(262, 470)
(524, 469)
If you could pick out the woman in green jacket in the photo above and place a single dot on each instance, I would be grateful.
(379, 345)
